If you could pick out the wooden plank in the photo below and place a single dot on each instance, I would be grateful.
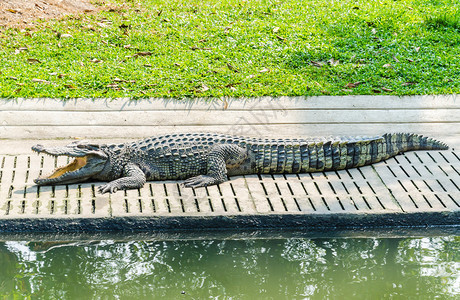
(398, 189)
(332, 102)
(299, 193)
(287, 194)
(216, 199)
(313, 194)
(226, 196)
(341, 192)
(274, 195)
(258, 195)
(156, 195)
(239, 186)
(175, 204)
(329, 194)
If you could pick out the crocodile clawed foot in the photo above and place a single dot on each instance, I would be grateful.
(200, 181)
(107, 188)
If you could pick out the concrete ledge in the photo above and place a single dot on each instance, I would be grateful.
(415, 189)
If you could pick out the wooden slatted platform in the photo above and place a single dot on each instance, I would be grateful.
(415, 189)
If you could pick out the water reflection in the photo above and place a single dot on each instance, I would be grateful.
(240, 269)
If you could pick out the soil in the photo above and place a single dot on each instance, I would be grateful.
(21, 13)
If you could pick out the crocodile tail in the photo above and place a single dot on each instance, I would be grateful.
(401, 142)
(336, 155)
(364, 151)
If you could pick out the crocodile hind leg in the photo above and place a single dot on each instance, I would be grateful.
(220, 158)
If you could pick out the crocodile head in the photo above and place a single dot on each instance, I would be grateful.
(88, 161)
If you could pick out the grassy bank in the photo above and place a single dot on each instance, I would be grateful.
(238, 48)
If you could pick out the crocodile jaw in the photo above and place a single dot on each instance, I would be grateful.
(76, 171)
(83, 167)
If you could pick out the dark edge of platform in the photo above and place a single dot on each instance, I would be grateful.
(66, 238)
(308, 222)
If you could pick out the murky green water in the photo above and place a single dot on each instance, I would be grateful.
(289, 268)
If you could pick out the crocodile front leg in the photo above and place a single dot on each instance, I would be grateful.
(219, 158)
(133, 178)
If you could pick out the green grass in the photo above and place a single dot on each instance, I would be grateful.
(215, 48)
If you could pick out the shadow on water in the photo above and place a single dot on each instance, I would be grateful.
(417, 263)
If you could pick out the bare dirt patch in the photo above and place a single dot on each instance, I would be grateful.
(24, 12)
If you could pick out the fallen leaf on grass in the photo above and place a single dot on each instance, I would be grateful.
(387, 66)
(395, 58)
(250, 76)
(89, 27)
(113, 86)
(199, 48)
(276, 29)
(232, 68)
(318, 64)
(58, 75)
(280, 38)
(386, 89)
(417, 49)
(20, 49)
(410, 60)
(232, 85)
(143, 53)
(204, 88)
(96, 61)
(40, 81)
(33, 61)
(353, 85)
(408, 83)
(264, 70)
(333, 62)
(69, 86)
(116, 79)
(12, 78)
(66, 35)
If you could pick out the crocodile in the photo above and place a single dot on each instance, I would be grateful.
(203, 159)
